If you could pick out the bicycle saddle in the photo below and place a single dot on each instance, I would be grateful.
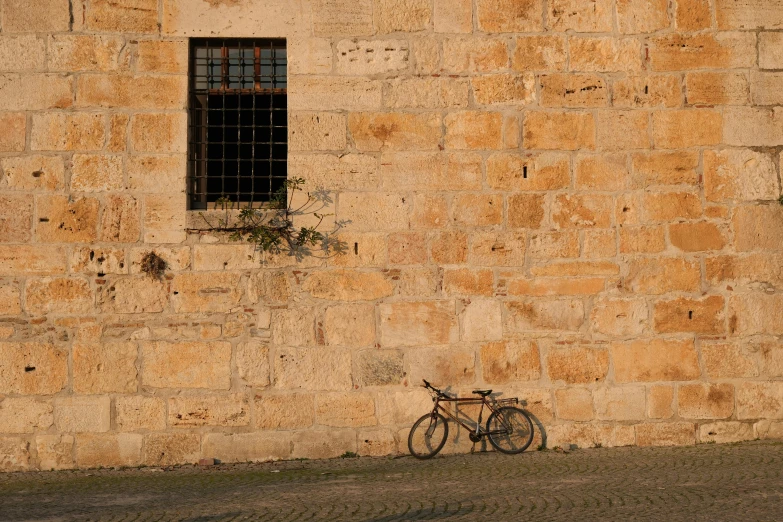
(483, 393)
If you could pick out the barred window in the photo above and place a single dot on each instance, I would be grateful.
(237, 134)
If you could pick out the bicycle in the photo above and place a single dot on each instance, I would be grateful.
(509, 429)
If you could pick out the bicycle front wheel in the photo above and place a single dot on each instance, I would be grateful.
(428, 436)
(510, 430)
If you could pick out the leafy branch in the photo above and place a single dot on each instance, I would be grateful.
(271, 228)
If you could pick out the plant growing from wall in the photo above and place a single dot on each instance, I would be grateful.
(153, 265)
(272, 229)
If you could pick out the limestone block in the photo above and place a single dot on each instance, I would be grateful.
(759, 400)
(478, 209)
(546, 171)
(10, 300)
(98, 261)
(22, 53)
(448, 366)
(395, 131)
(25, 16)
(619, 317)
(271, 18)
(605, 54)
(590, 435)
(771, 353)
(309, 56)
(186, 364)
(82, 414)
(162, 56)
(474, 54)
(62, 219)
(401, 15)
(704, 315)
(58, 295)
(25, 415)
(555, 286)
(620, 130)
(68, 131)
(659, 402)
(323, 444)
(12, 136)
(379, 367)
(419, 282)
(31, 172)
(54, 451)
(753, 127)
(635, 91)
(311, 131)
(756, 313)
(376, 443)
(749, 14)
(582, 211)
(574, 404)
(727, 360)
(289, 411)
(539, 53)
(559, 130)
(108, 449)
(510, 361)
(32, 368)
(544, 314)
(697, 237)
(324, 93)
(417, 323)
(578, 364)
(252, 360)
(554, 244)
(693, 15)
(348, 171)
(14, 454)
(133, 295)
(474, 130)
(573, 90)
(710, 88)
(620, 403)
(509, 16)
(599, 244)
(642, 239)
(16, 217)
(404, 407)
(449, 247)
(205, 292)
(247, 447)
(312, 369)
(768, 430)
(367, 57)
(668, 206)
(526, 210)
(705, 401)
(430, 171)
(369, 211)
(342, 17)
(348, 285)
(661, 275)
(464, 281)
(582, 17)
(104, 368)
(740, 175)
(687, 128)
(159, 132)
(35, 92)
(32, 260)
(425, 93)
(680, 52)
(70, 53)
(498, 249)
(450, 16)
(601, 172)
(293, 327)
(269, 287)
(482, 320)
(225, 257)
(665, 168)
(665, 434)
(758, 227)
(345, 410)
(137, 412)
(407, 248)
(149, 173)
(208, 410)
(504, 89)
(123, 16)
(724, 432)
(166, 449)
(652, 360)
(118, 132)
(96, 173)
(770, 50)
(349, 325)
(642, 16)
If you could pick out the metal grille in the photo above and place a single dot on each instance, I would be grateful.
(238, 121)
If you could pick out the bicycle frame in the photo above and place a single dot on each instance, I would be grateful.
(480, 432)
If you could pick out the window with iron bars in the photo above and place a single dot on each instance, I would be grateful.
(237, 134)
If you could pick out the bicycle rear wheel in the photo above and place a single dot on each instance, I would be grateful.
(510, 430)
(428, 436)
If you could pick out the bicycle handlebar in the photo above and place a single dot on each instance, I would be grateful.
(433, 388)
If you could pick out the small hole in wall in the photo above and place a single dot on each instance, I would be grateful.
(38, 173)
(690, 314)
(646, 89)
(44, 220)
(29, 368)
(524, 171)
(356, 248)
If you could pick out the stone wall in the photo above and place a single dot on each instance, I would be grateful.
(574, 201)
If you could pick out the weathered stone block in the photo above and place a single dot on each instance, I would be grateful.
(482, 321)
(120, 221)
(554, 244)
(32, 368)
(771, 50)
(539, 53)
(504, 89)
(696, 237)
(665, 168)
(58, 296)
(661, 275)
(25, 415)
(186, 364)
(408, 248)
(474, 130)
(349, 325)
(61, 219)
(753, 127)
(137, 412)
(309, 56)
(620, 130)
(450, 366)
(601, 172)
(574, 404)
(269, 287)
(348, 285)
(666, 434)
(348, 171)
(104, 367)
(166, 449)
(293, 327)
(16, 217)
(418, 323)
(162, 56)
(680, 52)
(22, 53)
(464, 281)
(370, 211)
(642, 239)
(82, 414)
(108, 449)
(605, 54)
(12, 135)
(118, 132)
(164, 132)
(247, 447)
(316, 131)
(555, 286)
(544, 314)
(323, 444)
(380, 367)
(546, 171)
(582, 211)
(509, 16)
(748, 14)
(27, 16)
(693, 15)
(758, 227)
(474, 54)
(54, 451)
(14, 454)
(325, 93)
(705, 401)
(449, 247)
(760, 400)
(341, 17)
(642, 16)
(32, 260)
(68, 131)
(704, 315)
(573, 90)
(252, 360)
(710, 88)
(724, 432)
(620, 403)
(70, 53)
(289, 411)
(728, 360)
(634, 91)
(453, 16)
(739, 174)
(659, 402)
(559, 130)
(619, 317)
(205, 292)
(756, 313)
(35, 92)
(345, 410)
(312, 369)
(590, 435)
(687, 128)
(655, 360)
(526, 210)
(96, 173)
(123, 16)
(376, 443)
(577, 365)
(366, 57)
(31, 172)
(208, 410)
(581, 17)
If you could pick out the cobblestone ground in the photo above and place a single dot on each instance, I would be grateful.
(706, 482)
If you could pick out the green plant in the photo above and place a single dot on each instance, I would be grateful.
(349, 455)
(272, 229)
(153, 265)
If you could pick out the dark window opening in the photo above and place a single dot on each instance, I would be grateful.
(238, 130)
